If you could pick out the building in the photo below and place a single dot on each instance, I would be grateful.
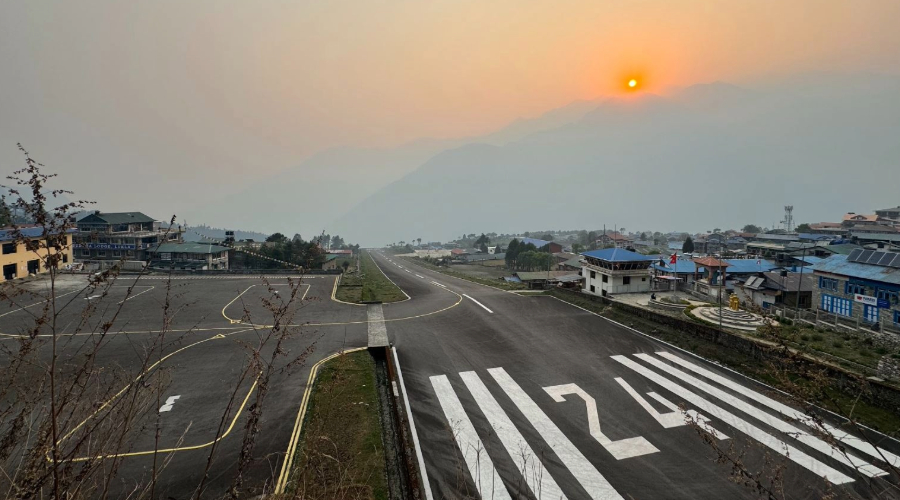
(539, 244)
(854, 219)
(776, 288)
(541, 279)
(614, 239)
(864, 285)
(615, 270)
(189, 256)
(335, 261)
(120, 236)
(17, 261)
(889, 216)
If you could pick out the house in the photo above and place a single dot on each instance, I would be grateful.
(890, 216)
(539, 244)
(711, 243)
(864, 285)
(777, 288)
(189, 256)
(835, 228)
(540, 279)
(613, 239)
(666, 274)
(334, 261)
(615, 270)
(573, 264)
(120, 236)
(26, 253)
(854, 219)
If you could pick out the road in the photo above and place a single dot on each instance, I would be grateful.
(519, 396)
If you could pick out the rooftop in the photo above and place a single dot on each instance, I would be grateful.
(189, 247)
(839, 264)
(117, 218)
(860, 217)
(617, 255)
(31, 232)
(711, 262)
(534, 241)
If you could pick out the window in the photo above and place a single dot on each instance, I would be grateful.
(837, 305)
(65, 258)
(853, 289)
(605, 278)
(130, 253)
(9, 248)
(897, 317)
(85, 253)
(626, 280)
(828, 283)
(593, 275)
(892, 296)
(870, 313)
(101, 253)
(117, 253)
(593, 289)
(644, 279)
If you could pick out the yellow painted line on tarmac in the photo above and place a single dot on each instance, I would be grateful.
(151, 367)
(334, 291)
(179, 448)
(284, 475)
(237, 321)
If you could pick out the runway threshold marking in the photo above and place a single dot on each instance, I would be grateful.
(420, 276)
(481, 468)
(479, 303)
(786, 411)
(538, 479)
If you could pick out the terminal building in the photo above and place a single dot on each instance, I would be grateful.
(615, 270)
(18, 261)
(129, 236)
(863, 286)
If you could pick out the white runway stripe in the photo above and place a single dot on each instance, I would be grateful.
(770, 420)
(740, 424)
(484, 475)
(787, 411)
(527, 461)
(590, 479)
(479, 303)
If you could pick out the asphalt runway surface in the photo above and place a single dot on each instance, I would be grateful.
(512, 396)
(517, 396)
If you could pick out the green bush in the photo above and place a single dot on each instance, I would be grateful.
(818, 338)
(787, 321)
(865, 353)
(881, 350)
(838, 344)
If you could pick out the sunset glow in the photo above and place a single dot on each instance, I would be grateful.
(632, 83)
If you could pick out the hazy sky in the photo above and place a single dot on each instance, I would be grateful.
(189, 101)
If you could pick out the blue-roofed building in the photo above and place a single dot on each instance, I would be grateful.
(749, 266)
(616, 270)
(18, 261)
(864, 285)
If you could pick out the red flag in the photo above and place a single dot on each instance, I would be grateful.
(673, 259)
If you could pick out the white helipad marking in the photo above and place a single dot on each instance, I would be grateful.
(787, 411)
(484, 475)
(591, 480)
(169, 403)
(619, 449)
(771, 420)
(420, 276)
(773, 443)
(479, 303)
(536, 476)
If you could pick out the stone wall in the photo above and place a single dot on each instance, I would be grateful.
(889, 368)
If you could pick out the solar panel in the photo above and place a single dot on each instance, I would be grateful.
(864, 256)
(896, 261)
(885, 258)
(854, 254)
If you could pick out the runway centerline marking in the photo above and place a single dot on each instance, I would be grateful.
(479, 303)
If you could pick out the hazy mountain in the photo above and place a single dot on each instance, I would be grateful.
(707, 156)
(310, 196)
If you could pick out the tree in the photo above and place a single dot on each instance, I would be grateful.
(276, 238)
(803, 228)
(577, 247)
(419, 241)
(482, 241)
(345, 265)
(644, 236)
(511, 251)
(547, 237)
(6, 218)
(483, 248)
(688, 246)
(752, 228)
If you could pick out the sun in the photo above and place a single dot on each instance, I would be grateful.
(632, 83)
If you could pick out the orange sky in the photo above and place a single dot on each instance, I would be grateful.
(230, 85)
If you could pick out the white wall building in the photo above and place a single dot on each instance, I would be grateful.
(615, 270)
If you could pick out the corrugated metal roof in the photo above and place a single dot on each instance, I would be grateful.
(842, 249)
(534, 241)
(617, 255)
(838, 264)
(189, 247)
(749, 266)
(540, 275)
(26, 232)
(118, 218)
(682, 266)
